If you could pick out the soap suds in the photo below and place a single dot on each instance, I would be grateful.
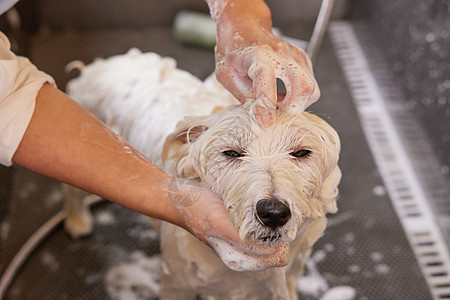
(313, 284)
(49, 260)
(105, 218)
(339, 293)
(238, 260)
(139, 278)
(135, 280)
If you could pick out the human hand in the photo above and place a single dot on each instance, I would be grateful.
(205, 217)
(249, 58)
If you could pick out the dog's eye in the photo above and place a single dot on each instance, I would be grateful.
(232, 153)
(300, 153)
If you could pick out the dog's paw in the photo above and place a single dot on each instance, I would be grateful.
(79, 225)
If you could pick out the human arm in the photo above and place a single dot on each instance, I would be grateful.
(67, 143)
(249, 58)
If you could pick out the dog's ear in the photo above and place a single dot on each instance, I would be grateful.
(331, 144)
(176, 146)
(331, 147)
(329, 190)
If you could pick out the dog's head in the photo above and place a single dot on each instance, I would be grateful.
(272, 180)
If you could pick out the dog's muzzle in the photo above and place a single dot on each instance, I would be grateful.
(272, 213)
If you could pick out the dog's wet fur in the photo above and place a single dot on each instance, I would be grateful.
(277, 183)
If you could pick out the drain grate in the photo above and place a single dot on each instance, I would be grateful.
(404, 187)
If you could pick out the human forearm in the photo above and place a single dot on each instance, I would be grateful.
(65, 142)
(233, 15)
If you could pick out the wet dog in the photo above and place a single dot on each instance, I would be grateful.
(277, 183)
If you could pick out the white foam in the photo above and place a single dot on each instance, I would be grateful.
(354, 269)
(49, 260)
(312, 285)
(237, 260)
(105, 218)
(382, 269)
(137, 279)
(379, 191)
(53, 198)
(339, 293)
(376, 256)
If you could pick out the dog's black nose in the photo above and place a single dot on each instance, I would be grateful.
(272, 213)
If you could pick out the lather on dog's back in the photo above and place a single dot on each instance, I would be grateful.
(277, 183)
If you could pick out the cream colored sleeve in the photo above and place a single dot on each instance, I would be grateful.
(20, 82)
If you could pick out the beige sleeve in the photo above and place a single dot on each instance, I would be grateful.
(20, 82)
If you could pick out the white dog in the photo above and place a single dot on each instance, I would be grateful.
(277, 183)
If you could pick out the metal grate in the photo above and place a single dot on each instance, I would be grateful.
(404, 187)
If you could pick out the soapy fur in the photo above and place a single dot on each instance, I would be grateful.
(146, 99)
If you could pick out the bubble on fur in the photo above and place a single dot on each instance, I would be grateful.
(237, 260)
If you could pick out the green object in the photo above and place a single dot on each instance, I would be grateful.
(195, 28)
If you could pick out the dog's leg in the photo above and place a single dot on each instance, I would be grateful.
(301, 251)
(295, 271)
(78, 220)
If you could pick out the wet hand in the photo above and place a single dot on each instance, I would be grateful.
(205, 217)
(248, 62)
(241, 257)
